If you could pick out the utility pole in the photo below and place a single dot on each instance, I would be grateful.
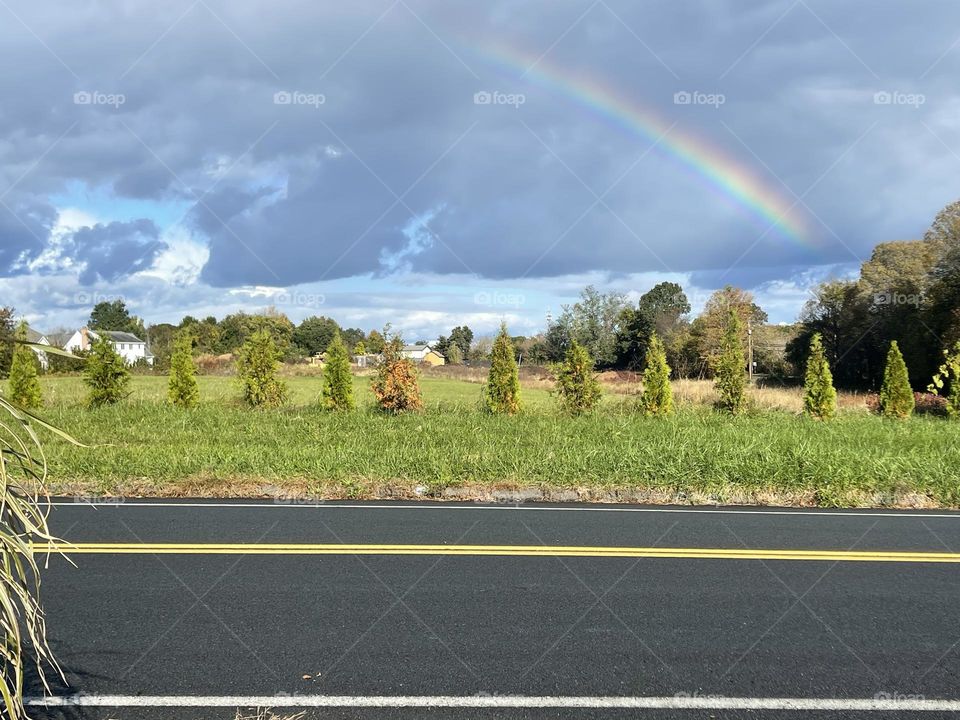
(750, 351)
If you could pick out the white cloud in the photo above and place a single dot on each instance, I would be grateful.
(182, 260)
(69, 220)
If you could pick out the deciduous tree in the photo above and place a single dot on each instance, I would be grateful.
(114, 315)
(454, 355)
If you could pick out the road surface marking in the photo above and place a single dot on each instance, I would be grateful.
(295, 503)
(146, 548)
(878, 704)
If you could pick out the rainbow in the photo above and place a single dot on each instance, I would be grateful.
(733, 180)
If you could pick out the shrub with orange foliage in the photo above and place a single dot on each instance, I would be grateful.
(396, 385)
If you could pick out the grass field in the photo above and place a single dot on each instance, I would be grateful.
(453, 450)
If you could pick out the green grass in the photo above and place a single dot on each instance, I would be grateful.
(223, 448)
(220, 391)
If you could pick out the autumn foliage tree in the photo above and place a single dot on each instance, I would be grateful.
(396, 386)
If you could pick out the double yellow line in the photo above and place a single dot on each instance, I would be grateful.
(494, 550)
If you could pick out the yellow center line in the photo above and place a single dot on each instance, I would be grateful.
(127, 548)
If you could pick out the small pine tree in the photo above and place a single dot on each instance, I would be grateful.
(337, 379)
(819, 395)
(896, 395)
(257, 371)
(657, 397)
(454, 355)
(949, 374)
(396, 386)
(106, 374)
(501, 394)
(182, 389)
(730, 369)
(24, 383)
(577, 387)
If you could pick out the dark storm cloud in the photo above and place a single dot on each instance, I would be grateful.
(24, 232)
(379, 125)
(114, 250)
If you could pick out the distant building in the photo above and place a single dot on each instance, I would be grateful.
(423, 354)
(131, 348)
(368, 360)
(59, 339)
(39, 338)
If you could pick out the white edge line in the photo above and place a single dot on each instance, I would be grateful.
(799, 512)
(682, 702)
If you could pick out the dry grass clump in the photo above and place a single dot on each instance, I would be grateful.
(268, 714)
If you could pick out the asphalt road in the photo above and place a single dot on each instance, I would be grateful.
(222, 604)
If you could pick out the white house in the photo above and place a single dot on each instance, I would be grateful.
(423, 354)
(38, 338)
(128, 346)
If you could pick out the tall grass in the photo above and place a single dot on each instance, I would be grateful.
(23, 522)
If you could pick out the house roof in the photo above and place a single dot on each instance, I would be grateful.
(117, 336)
(60, 339)
(33, 335)
(421, 348)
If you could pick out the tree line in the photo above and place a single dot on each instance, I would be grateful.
(396, 387)
(908, 292)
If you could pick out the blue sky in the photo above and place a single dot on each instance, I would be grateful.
(431, 163)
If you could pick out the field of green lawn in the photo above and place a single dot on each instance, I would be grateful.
(144, 446)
